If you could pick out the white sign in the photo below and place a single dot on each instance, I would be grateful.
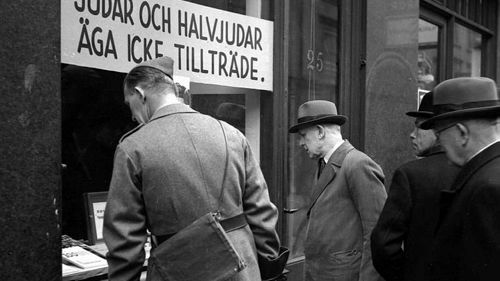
(99, 208)
(208, 45)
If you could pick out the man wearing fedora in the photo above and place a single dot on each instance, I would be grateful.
(347, 197)
(401, 239)
(177, 166)
(467, 124)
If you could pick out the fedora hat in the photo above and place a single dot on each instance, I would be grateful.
(464, 97)
(424, 109)
(317, 112)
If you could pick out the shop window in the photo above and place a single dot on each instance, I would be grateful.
(455, 38)
(237, 106)
(94, 117)
(313, 74)
(466, 52)
(428, 55)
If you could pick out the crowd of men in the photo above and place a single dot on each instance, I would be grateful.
(440, 219)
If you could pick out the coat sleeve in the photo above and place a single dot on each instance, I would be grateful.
(368, 192)
(260, 212)
(124, 228)
(391, 229)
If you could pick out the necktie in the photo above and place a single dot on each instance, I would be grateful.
(321, 166)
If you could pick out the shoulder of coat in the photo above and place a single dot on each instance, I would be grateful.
(131, 132)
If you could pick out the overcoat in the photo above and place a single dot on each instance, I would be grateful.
(346, 202)
(401, 240)
(168, 173)
(467, 243)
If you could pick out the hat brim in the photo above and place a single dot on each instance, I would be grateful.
(334, 119)
(417, 114)
(488, 111)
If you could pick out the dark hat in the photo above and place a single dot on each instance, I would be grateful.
(424, 109)
(317, 112)
(163, 64)
(465, 97)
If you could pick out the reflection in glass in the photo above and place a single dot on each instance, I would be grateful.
(313, 74)
(466, 52)
(227, 107)
(428, 55)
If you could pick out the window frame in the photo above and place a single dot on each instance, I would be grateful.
(441, 15)
(437, 20)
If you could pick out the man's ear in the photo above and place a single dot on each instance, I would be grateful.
(321, 131)
(140, 92)
(464, 133)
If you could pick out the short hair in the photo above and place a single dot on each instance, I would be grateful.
(332, 127)
(148, 78)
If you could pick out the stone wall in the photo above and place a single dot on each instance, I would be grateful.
(30, 140)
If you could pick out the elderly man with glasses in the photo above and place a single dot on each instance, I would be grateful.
(467, 124)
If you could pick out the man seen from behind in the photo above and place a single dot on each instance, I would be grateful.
(169, 171)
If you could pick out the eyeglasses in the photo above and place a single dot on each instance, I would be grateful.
(438, 131)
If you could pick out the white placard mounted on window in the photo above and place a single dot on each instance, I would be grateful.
(208, 45)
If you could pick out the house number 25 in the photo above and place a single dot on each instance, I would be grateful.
(314, 60)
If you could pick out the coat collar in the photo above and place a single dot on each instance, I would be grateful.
(172, 109)
(162, 112)
(329, 172)
(339, 154)
(475, 164)
(434, 150)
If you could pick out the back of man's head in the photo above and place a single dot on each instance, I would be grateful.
(332, 135)
(149, 79)
(333, 129)
(482, 130)
(153, 75)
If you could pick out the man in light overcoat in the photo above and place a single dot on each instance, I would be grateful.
(347, 198)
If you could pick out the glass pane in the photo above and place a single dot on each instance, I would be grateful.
(240, 107)
(227, 107)
(466, 52)
(313, 53)
(94, 117)
(428, 55)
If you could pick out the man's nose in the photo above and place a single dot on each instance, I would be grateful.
(413, 133)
